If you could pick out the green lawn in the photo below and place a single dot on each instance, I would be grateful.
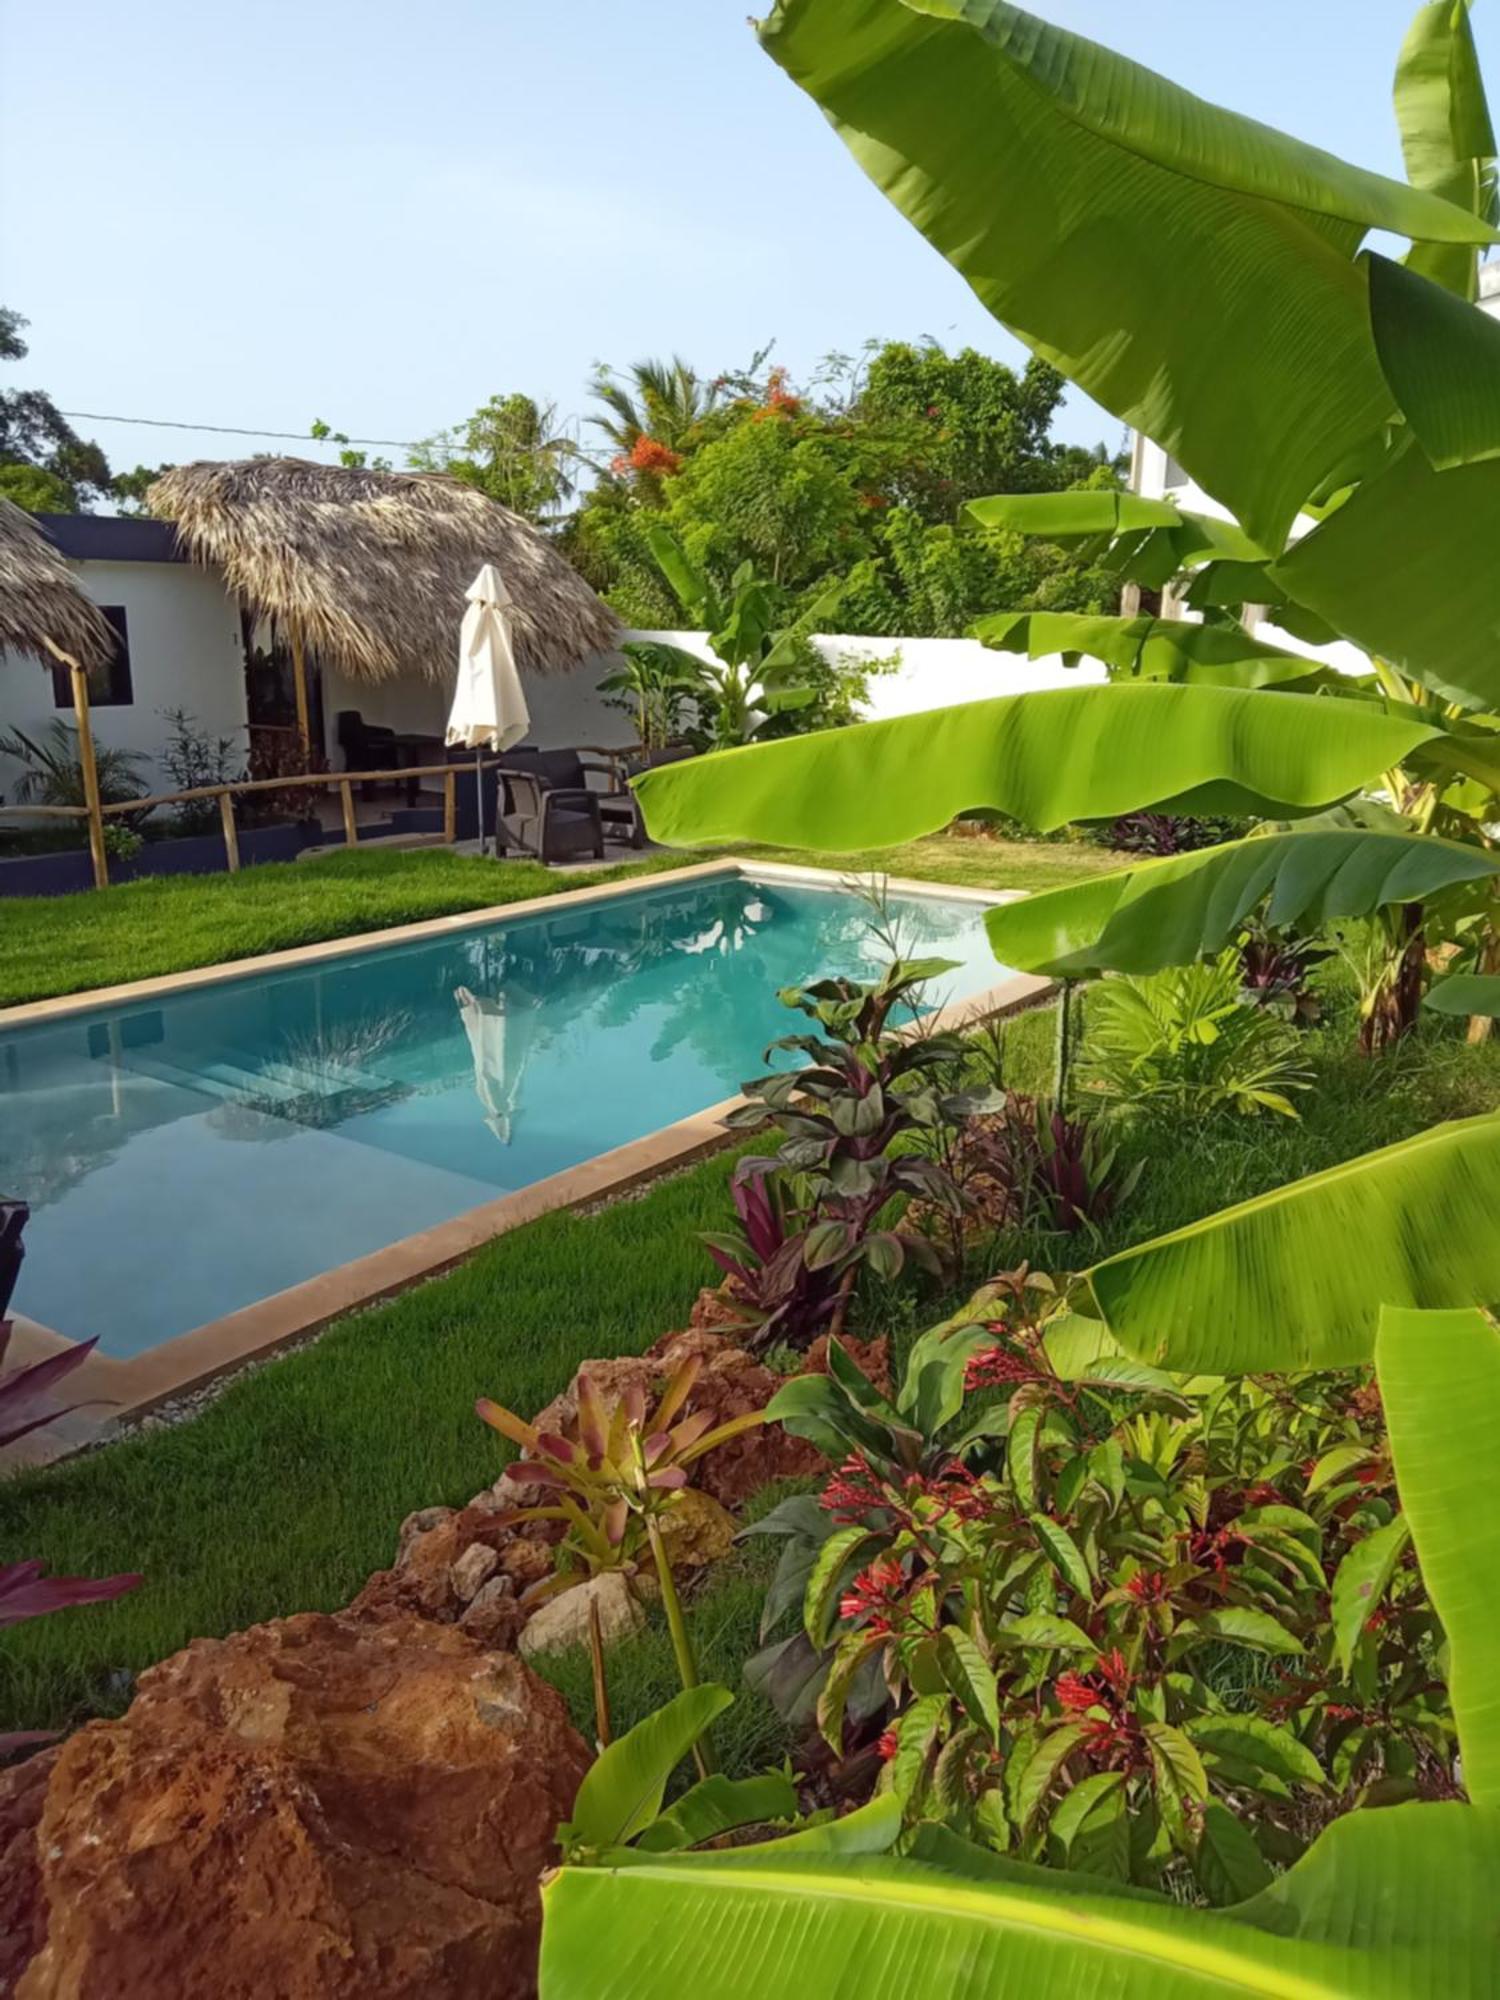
(69, 944)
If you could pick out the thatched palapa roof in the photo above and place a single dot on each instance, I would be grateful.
(40, 598)
(370, 568)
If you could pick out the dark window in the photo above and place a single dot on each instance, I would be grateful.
(1176, 477)
(109, 685)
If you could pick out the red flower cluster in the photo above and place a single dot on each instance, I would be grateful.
(876, 1594)
(1075, 1693)
(1107, 1738)
(648, 455)
(997, 1368)
(851, 1493)
(779, 396)
(888, 1745)
(1149, 1586)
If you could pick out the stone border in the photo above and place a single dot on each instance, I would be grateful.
(132, 1386)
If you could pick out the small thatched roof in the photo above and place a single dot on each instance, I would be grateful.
(370, 568)
(40, 598)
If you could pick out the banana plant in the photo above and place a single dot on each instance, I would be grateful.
(1297, 376)
(754, 675)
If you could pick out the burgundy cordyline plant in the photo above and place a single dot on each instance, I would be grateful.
(27, 1403)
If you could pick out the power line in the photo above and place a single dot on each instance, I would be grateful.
(237, 430)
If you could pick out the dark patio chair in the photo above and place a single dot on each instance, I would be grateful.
(570, 771)
(550, 822)
(367, 746)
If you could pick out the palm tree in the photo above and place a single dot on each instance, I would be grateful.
(661, 400)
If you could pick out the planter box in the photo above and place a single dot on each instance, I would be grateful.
(63, 873)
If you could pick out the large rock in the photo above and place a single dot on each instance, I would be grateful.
(23, 1902)
(563, 1621)
(313, 1809)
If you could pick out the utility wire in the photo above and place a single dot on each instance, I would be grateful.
(237, 430)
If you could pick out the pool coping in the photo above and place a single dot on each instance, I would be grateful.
(124, 1388)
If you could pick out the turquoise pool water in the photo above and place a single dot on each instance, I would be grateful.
(191, 1155)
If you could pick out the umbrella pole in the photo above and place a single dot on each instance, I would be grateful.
(87, 764)
(479, 792)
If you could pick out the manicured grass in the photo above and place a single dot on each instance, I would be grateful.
(289, 1490)
(51, 945)
(140, 930)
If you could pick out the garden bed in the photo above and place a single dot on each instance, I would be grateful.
(288, 1491)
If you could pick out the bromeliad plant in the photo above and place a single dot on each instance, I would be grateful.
(851, 1120)
(613, 1483)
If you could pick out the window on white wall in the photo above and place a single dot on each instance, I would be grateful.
(109, 685)
(1176, 478)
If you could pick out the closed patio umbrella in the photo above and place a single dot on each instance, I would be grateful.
(499, 1042)
(489, 710)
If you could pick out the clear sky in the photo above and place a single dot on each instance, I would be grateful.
(382, 213)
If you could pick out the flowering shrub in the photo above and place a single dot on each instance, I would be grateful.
(1155, 1634)
(648, 454)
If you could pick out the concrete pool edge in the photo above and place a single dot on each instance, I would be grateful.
(128, 1388)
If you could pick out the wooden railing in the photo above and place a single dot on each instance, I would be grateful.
(345, 781)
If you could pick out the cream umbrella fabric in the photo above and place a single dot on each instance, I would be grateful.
(500, 1047)
(489, 709)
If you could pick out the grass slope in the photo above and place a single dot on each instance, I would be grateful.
(51, 945)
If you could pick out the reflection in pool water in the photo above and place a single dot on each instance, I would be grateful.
(190, 1156)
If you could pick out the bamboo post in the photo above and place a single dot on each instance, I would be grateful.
(86, 763)
(299, 681)
(450, 807)
(231, 835)
(351, 824)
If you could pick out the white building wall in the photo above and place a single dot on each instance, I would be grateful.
(185, 652)
(567, 709)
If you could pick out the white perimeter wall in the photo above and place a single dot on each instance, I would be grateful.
(185, 652)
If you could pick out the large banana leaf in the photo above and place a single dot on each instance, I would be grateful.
(1441, 357)
(1078, 516)
(1297, 1278)
(1173, 911)
(1150, 649)
(1386, 1905)
(1466, 993)
(1191, 269)
(1406, 569)
(1440, 1378)
(1446, 133)
(1045, 759)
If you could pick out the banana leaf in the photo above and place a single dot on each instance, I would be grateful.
(1191, 269)
(1446, 133)
(1440, 1378)
(1151, 649)
(1073, 517)
(1296, 1278)
(1466, 993)
(1405, 568)
(1385, 1905)
(1172, 911)
(1045, 759)
(1441, 357)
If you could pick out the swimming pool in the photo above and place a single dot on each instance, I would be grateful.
(191, 1153)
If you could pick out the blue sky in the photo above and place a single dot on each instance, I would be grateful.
(380, 214)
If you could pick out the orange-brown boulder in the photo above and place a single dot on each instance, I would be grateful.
(313, 1809)
(23, 1903)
